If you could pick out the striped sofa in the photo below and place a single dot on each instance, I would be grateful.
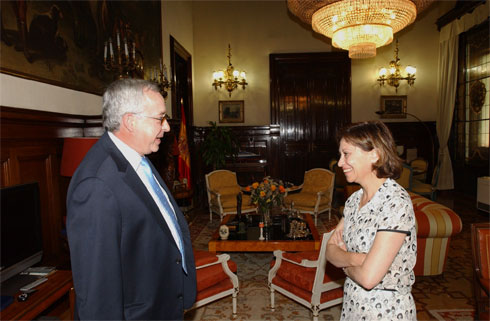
(435, 225)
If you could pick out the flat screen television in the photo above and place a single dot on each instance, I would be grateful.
(21, 237)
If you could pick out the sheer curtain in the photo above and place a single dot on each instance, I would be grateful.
(446, 84)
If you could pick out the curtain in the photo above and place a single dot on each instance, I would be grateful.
(446, 84)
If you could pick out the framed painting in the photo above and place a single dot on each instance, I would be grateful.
(231, 111)
(393, 107)
(63, 43)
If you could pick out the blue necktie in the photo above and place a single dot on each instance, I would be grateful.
(166, 206)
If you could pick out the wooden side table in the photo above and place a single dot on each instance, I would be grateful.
(59, 284)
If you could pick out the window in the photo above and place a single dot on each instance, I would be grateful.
(471, 117)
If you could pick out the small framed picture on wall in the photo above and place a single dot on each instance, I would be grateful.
(393, 106)
(231, 111)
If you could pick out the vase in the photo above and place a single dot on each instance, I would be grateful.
(266, 215)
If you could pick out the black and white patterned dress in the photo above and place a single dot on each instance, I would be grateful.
(390, 209)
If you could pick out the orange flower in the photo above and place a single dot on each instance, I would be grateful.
(247, 189)
(255, 185)
(282, 189)
(262, 193)
(273, 188)
(266, 181)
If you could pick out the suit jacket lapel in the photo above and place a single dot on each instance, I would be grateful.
(135, 183)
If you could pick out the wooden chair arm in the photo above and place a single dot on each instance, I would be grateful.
(215, 193)
(303, 263)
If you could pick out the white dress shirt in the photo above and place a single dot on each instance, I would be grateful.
(135, 160)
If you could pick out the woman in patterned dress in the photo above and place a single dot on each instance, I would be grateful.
(375, 241)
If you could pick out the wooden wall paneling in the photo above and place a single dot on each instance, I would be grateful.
(30, 150)
(261, 140)
(40, 164)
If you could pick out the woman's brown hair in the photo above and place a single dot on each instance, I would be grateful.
(371, 135)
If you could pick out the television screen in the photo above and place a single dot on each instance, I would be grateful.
(21, 238)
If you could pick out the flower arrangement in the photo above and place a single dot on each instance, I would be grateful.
(267, 193)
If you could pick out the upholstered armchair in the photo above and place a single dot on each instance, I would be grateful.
(428, 190)
(307, 278)
(316, 193)
(222, 188)
(216, 278)
(419, 166)
(480, 244)
(405, 179)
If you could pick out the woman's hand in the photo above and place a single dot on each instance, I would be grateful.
(337, 253)
(337, 236)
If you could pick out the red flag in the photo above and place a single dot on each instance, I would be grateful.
(184, 156)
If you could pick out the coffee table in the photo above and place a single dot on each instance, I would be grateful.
(275, 238)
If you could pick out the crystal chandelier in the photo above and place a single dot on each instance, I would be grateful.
(393, 75)
(359, 26)
(229, 77)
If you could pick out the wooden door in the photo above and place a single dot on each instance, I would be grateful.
(310, 101)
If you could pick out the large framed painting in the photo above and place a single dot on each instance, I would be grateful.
(64, 42)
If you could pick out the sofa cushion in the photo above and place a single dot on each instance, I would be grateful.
(434, 219)
(435, 225)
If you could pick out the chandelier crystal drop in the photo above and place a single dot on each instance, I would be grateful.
(361, 26)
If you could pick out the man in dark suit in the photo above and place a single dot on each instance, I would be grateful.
(130, 245)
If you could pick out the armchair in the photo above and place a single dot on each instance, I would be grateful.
(419, 166)
(405, 179)
(307, 278)
(480, 244)
(216, 278)
(316, 193)
(427, 189)
(222, 188)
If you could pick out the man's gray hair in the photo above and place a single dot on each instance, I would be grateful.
(121, 97)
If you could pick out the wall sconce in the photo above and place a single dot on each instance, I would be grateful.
(393, 75)
(160, 78)
(229, 77)
(125, 61)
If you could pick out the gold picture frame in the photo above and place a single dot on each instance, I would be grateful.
(393, 106)
(231, 111)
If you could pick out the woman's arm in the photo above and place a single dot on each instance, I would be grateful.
(377, 262)
(337, 252)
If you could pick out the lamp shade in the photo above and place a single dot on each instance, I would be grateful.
(74, 150)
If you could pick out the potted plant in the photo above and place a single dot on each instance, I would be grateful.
(220, 142)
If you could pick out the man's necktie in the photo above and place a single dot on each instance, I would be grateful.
(166, 206)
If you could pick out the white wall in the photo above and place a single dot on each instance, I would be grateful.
(21, 93)
(254, 29)
(177, 21)
(257, 28)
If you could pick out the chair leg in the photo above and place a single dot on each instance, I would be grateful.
(316, 215)
(272, 300)
(315, 311)
(234, 303)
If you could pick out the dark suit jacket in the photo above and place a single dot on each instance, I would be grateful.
(125, 262)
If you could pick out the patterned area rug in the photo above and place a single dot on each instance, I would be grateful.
(453, 315)
(254, 296)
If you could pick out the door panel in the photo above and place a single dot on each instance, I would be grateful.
(310, 101)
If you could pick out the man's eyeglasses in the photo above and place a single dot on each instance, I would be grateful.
(160, 119)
